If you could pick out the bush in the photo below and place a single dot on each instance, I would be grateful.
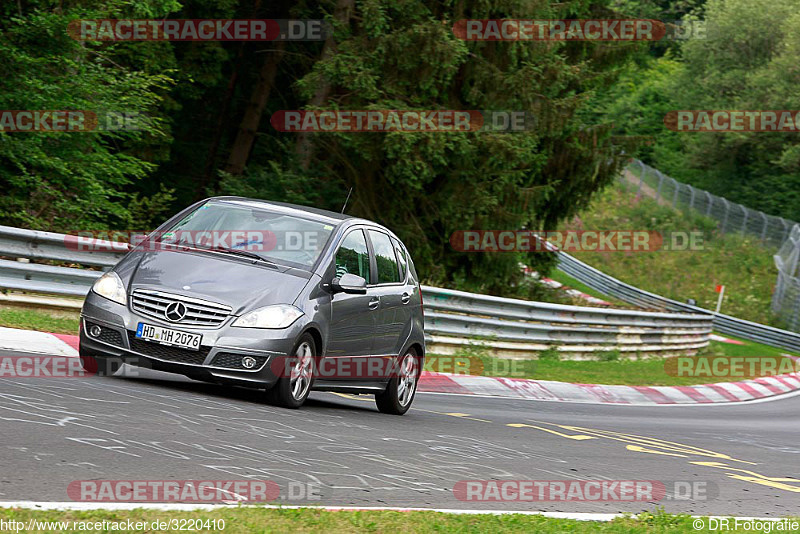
(550, 354)
(607, 356)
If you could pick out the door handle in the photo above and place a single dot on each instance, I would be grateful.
(374, 303)
(405, 298)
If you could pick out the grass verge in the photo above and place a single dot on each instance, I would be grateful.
(573, 283)
(56, 322)
(740, 263)
(306, 520)
(608, 367)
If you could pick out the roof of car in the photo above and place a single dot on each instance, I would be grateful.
(327, 216)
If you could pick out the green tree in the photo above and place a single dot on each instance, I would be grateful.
(426, 186)
(749, 62)
(71, 180)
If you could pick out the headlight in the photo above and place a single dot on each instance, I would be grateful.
(279, 316)
(110, 286)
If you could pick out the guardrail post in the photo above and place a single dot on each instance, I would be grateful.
(727, 209)
(675, 196)
(660, 182)
(744, 222)
(785, 230)
(641, 178)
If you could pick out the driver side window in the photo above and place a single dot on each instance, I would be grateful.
(353, 256)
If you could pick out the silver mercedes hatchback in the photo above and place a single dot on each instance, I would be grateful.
(266, 295)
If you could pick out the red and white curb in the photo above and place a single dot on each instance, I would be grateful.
(724, 339)
(574, 293)
(25, 341)
(29, 341)
(547, 390)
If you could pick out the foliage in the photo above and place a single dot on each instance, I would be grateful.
(384, 55)
(749, 62)
(70, 180)
(740, 263)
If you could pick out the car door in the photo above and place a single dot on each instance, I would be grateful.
(389, 289)
(353, 317)
(409, 296)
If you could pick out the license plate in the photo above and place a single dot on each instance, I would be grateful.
(167, 336)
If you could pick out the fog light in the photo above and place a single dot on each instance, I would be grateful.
(248, 362)
(95, 331)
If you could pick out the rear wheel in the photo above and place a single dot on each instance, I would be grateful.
(399, 394)
(292, 391)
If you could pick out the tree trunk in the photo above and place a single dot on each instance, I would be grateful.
(304, 147)
(242, 146)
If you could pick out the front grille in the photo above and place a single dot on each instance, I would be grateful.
(164, 352)
(234, 361)
(198, 312)
(107, 335)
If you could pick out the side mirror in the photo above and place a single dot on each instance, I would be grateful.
(349, 283)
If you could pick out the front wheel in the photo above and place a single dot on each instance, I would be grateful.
(399, 394)
(292, 388)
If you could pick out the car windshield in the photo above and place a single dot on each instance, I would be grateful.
(252, 230)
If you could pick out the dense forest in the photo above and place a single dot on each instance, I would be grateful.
(204, 113)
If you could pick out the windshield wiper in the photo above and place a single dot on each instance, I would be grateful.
(244, 253)
(236, 251)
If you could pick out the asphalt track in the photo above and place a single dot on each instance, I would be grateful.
(742, 459)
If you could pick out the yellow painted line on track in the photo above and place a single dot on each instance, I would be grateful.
(636, 448)
(640, 444)
(576, 437)
(351, 397)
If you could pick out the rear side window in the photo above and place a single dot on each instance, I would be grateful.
(412, 269)
(401, 257)
(352, 256)
(388, 270)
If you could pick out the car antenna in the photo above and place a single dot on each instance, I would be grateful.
(345, 200)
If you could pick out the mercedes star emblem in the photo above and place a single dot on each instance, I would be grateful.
(175, 311)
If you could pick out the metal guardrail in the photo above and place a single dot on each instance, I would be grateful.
(33, 244)
(446, 316)
(732, 217)
(509, 326)
(453, 319)
(725, 324)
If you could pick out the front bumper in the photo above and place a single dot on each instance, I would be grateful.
(218, 360)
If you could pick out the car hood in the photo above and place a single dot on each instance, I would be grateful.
(240, 283)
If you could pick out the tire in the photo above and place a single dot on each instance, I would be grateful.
(99, 365)
(293, 390)
(399, 394)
